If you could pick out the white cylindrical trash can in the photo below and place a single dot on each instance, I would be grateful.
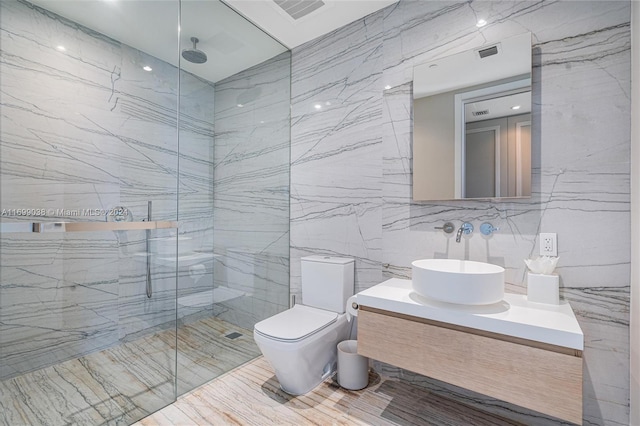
(353, 369)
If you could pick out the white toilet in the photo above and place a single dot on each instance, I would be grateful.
(300, 343)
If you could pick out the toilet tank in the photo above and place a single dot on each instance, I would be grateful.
(327, 282)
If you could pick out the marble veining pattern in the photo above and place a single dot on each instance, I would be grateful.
(384, 402)
(121, 384)
(581, 142)
(251, 190)
(335, 167)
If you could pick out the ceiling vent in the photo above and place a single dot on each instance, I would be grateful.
(489, 51)
(299, 8)
(478, 113)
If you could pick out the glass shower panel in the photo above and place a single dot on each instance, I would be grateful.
(234, 200)
(70, 353)
(88, 169)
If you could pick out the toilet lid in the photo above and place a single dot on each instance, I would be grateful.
(296, 323)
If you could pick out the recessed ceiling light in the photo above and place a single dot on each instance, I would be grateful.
(387, 87)
(240, 105)
(261, 121)
(433, 66)
(327, 103)
(61, 48)
(515, 107)
(481, 23)
(317, 106)
(147, 68)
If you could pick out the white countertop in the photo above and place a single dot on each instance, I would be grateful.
(515, 316)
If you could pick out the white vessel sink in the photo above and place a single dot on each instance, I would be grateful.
(458, 281)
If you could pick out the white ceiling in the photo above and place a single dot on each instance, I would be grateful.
(334, 14)
(498, 107)
(467, 69)
(232, 43)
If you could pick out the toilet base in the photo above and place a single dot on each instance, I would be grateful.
(301, 366)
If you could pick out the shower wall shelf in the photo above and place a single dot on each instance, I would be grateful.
(41, 227)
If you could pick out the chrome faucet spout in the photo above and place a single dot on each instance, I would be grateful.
(466, 229)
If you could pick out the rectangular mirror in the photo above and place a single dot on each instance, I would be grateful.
(472, 123)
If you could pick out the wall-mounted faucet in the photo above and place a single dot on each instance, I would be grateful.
(466, 228)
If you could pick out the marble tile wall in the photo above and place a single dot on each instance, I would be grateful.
(351, 166)
(251, 191)
(195, 191)
(336, 161)
(88, 128)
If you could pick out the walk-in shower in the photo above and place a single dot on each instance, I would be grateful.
(144, 200)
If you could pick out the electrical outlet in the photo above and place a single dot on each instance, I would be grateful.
(548, 244)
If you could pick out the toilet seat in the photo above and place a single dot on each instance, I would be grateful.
(295, 324)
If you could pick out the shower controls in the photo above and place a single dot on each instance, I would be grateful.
(118, 214)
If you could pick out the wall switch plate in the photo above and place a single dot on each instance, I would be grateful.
(548, 244)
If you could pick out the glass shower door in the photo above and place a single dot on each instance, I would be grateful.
(88, 202)
(78, 341)
(233, 249)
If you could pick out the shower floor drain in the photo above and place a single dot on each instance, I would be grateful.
(233, 335)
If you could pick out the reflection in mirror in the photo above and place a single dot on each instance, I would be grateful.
(472, 121)
(495, 149)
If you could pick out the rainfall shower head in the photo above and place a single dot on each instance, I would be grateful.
(194, 55)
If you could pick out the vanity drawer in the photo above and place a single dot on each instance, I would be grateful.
(538, 376)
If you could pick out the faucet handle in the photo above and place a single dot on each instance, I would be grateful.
(487, 228)
(448, 227)
(467, 228)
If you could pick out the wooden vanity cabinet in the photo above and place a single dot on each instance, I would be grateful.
(538, 376)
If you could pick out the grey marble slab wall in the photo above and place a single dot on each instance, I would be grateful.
(251, 191)
(336, 142)
(195, 195)
(89, 128)
(581, 143)
(50, 108)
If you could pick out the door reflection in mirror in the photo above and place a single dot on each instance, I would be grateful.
(497, 147)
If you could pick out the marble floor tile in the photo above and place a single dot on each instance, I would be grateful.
(251, 395)
(121, 384)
